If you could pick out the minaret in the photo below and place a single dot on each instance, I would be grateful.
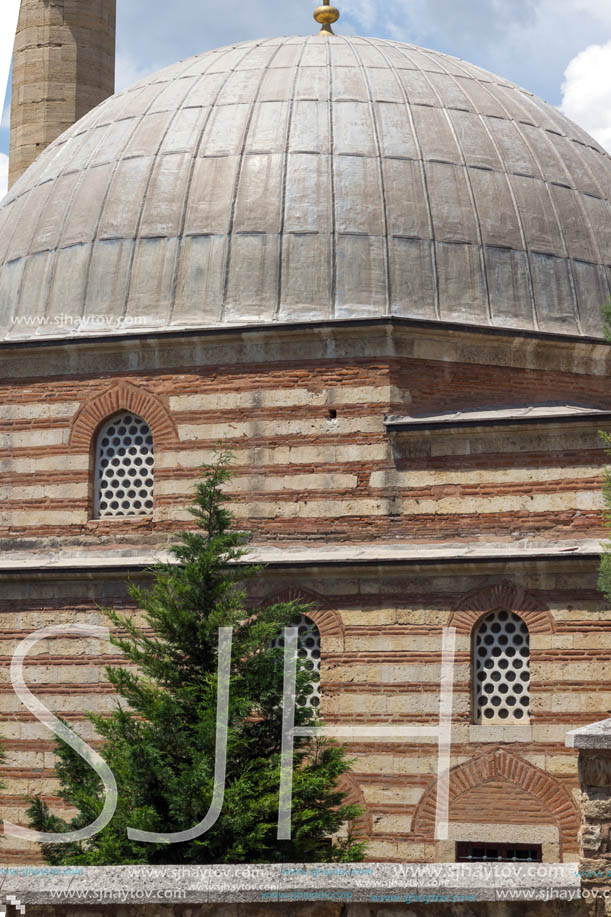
(63, 65)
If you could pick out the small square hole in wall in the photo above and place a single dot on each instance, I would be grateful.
(332, 414)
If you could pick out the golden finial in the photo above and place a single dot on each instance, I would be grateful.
(326, 15)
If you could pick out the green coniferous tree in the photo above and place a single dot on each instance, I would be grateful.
(160, 741)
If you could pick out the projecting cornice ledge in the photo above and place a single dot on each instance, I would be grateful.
(512, 416)
(312, 555)
(595, 735)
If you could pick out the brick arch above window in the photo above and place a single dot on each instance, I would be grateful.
(502, 595)
(122, 396)
(363, 825)
(327, 620)
(501, 765)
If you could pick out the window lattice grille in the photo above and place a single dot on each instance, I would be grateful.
(124, 467)
(308, 649)
(501, 669)
(487, 852)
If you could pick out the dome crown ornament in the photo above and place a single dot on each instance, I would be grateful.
(326, 15)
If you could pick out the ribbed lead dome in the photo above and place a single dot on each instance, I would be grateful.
(299, 179)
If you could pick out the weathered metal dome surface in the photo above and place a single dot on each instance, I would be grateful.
(299, 179)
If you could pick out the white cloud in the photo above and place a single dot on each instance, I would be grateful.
(3, 174)
(365, 13)
(600, 12)
(586, 92)
(128, 71)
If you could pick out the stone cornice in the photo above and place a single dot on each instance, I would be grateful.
(595, 735)
(390, 337)
(107, 886)
(323, 555)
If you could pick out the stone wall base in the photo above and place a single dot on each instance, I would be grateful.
(478, 909)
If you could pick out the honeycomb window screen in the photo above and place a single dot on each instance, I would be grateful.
(308, 649)
(501, 669)
(124, 468)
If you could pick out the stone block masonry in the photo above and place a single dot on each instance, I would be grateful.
(381, 642)
(305, 422)
(391, 536)
(593, 743)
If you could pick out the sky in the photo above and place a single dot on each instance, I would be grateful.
(558, 49)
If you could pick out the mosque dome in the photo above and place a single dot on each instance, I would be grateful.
(307, 179)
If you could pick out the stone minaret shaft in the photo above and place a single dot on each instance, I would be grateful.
(63, 65)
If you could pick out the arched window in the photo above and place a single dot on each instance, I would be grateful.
(308, 649)
(124, 463)
(501, 669)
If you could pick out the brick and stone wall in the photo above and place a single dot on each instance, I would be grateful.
(304, 415)
(347, 890)
(392, 536)
(381, 631)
